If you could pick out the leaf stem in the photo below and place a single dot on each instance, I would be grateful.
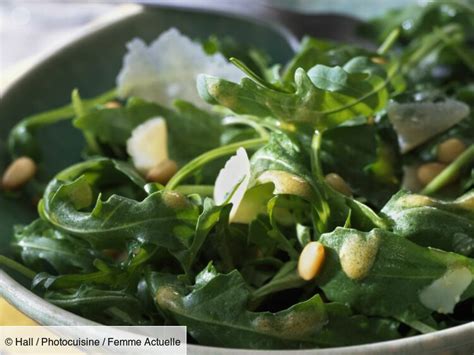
(449, 172)
(80, 110)
(31, 123)
(315, 161)
(468, 61)
(203, 190)
(252, 75)
(12, 264)
(232, 120)
(209, 156)
(427, 46)
(273, 286)
(419, 326)
(389, 41)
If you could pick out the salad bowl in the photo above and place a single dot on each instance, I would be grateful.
(90, 63)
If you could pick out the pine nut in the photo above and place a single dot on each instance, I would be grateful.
(450, 149)
(311, 260)
(379, 60)
(175, 200)
(338, 184)
(115, 254)
(18, 173)
(112, 104)
(163, 172)
(427, 172)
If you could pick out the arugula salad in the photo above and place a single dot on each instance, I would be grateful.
(323, 202)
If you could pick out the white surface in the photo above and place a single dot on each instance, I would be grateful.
(28, 27)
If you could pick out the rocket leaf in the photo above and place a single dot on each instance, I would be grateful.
(323, 96)
(162, 218)
(306, 324)
(393, 272)
(191, 131)
(446, 225)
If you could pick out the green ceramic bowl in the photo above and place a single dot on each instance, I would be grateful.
(91, 64)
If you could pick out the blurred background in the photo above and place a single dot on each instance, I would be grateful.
(29, 28)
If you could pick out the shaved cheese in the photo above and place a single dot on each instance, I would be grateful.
(148, 145)
(443, 294)
(415, 123)
(167, 69)
(233, 181)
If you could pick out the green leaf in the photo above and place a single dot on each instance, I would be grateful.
(206, 275)
(229, 243)
(260, 269)
(315, 51)
(106, 278)
(381, 274)
(191, 131)
(446, 225)
(279, 238)
(330, 208)
(41, 244)
(323, 97)
(114, 307)
(357, 154)
(284, 153)
(101, 171)
(257, 235)
(129, 171)
(163, 218)
(115, 272)
(420, 19)
(207, 220)
(430, 51)
(257, 59)
(306, 324)
(287, 277)
(119, 219)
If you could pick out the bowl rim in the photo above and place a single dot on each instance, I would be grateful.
(32, 305)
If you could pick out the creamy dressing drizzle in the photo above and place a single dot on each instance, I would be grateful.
(286, 183)
(357, 254)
